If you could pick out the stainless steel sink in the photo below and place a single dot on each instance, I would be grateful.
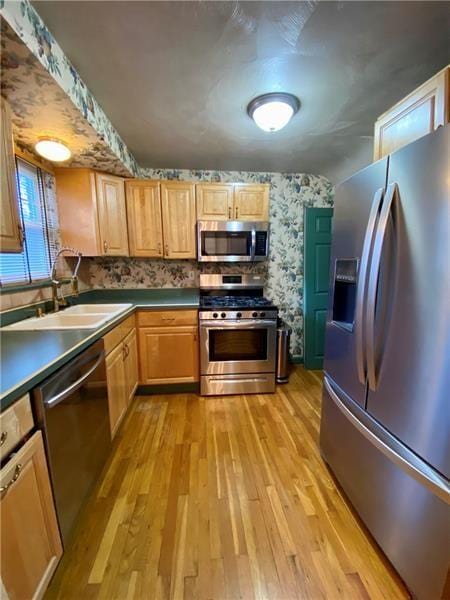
(83, 316)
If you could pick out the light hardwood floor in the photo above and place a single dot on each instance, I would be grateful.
(223, 498)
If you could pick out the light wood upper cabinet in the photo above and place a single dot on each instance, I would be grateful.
(30, 541)
(92, 212)
(179, 219)
(251, 202)
(10, 227)
(232, 202)
(144, 218)
(117, 389)
(214, 201)
(112, 215)
(420, 113)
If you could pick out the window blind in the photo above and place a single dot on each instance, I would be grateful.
(36, 195)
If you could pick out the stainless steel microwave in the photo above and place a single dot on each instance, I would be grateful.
(232, 241)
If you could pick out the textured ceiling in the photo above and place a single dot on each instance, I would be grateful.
(175, 77)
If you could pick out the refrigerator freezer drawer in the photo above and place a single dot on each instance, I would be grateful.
(408, 520)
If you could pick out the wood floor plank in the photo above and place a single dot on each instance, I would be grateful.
(223, 498)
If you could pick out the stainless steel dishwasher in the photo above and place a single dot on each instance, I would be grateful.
(72, 410)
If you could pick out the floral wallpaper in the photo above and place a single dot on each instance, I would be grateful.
(29, 27)
(290, 194)
(41, 108)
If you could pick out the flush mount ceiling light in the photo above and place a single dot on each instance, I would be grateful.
(52, 149)
(271, 112)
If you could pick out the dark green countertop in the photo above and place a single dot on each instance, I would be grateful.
(29, 357)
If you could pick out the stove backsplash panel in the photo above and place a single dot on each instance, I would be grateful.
(290, 193)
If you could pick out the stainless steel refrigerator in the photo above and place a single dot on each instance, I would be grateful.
(385, 428)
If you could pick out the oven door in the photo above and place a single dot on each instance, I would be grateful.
(237, 347)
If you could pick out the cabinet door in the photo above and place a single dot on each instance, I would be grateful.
(30, 542)
(10, 228)
(144, 218)
(179, 219)
(131, 365)
(251, 202)
(112, 215)
(115, 376)
(214, 201)
(168, 355)
(420, 113)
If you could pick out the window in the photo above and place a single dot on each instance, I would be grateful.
(38, 215)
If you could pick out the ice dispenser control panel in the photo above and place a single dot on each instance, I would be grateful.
(344, 296)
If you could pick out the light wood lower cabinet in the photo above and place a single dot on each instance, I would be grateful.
(117, 389)
(168, 355)
(168, 347)
(131, 365)
(30, 540)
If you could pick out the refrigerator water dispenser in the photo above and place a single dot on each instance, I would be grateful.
(344, 296)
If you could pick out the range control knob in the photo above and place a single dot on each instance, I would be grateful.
(254, 315)
(263, 314)
(223, 315)
(238, 315)
(215, 315)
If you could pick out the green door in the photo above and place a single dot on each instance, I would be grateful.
(317, 244)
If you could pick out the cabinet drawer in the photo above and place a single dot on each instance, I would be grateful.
(150, 318)
(16, 422)
(116, 335)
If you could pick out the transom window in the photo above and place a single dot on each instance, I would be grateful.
(38, 217)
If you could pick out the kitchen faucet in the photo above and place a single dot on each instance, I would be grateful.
(56, 283)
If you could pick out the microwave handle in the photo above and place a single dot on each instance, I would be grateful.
(253, 250)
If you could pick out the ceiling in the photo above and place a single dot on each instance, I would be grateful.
(175, 77)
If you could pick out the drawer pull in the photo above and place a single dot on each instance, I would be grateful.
(105, 247)
(3, 437)
(14, 478)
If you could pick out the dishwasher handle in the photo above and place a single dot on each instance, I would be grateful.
(51, 402)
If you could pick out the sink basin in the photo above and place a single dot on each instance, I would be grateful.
(75, 317)
(95, 309)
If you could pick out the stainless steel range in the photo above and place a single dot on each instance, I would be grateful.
(237, 335)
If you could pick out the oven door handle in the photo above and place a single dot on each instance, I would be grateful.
(217, 324)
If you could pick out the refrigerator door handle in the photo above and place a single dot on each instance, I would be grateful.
(362, 285)
(394, 451)
(378, 244)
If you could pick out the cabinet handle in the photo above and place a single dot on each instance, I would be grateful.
(236, 212)
(168, 318)
(3, 437)
(159, 248)
(127, 350)
(167, 249)
(14, 478)
(195, 337)
(105, 246)
(21, 235)
(229, 212)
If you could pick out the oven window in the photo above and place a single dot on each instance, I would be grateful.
(226, 243)
(238, 344)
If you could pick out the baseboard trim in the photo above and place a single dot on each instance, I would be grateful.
(296, 359)
(168, 388)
